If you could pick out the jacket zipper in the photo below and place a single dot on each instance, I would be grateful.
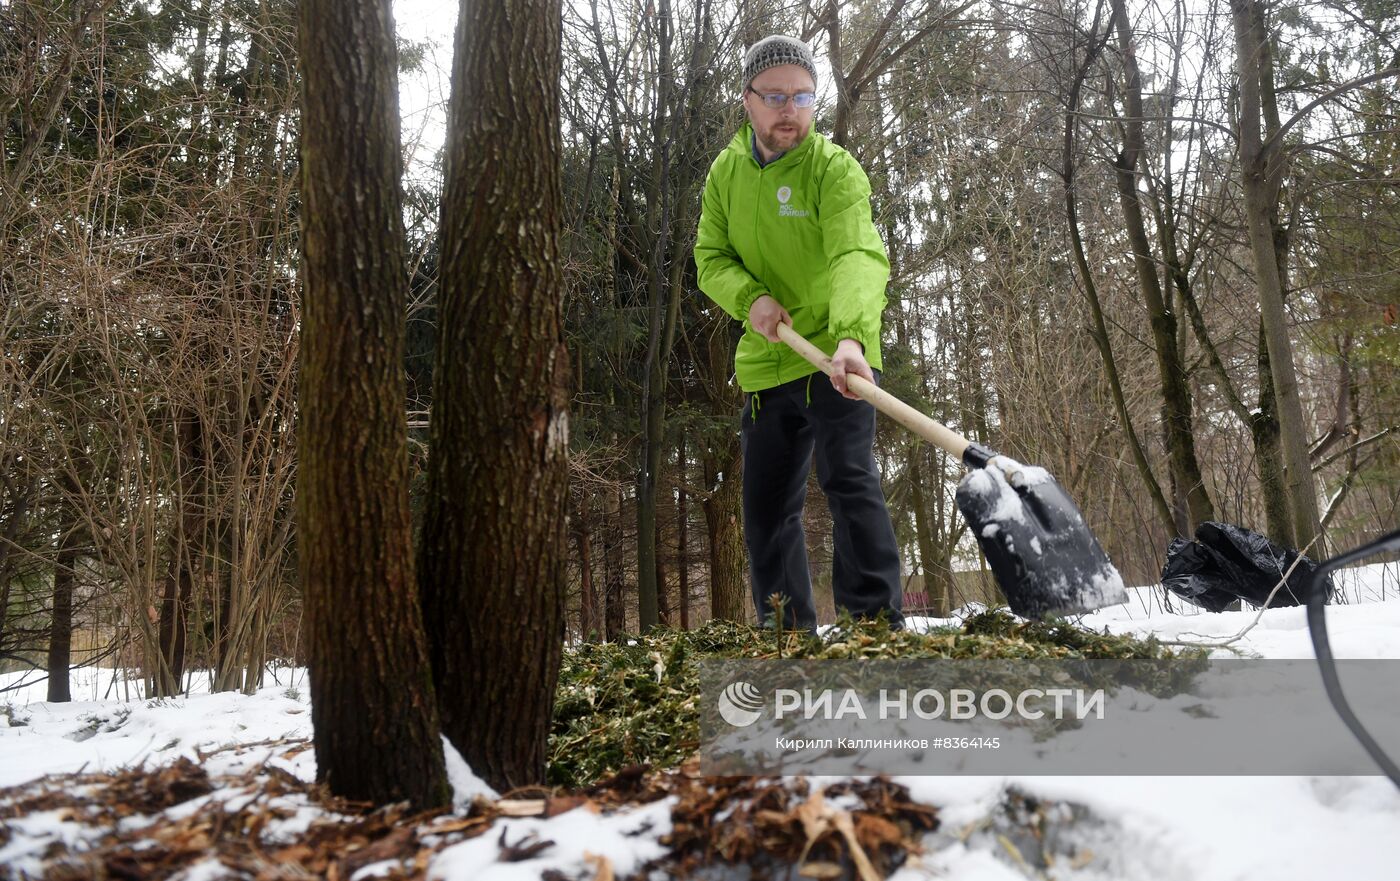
(774, 349)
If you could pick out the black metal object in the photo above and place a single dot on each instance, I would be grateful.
(1035, 539)
(1226, 563)
(1318, 590)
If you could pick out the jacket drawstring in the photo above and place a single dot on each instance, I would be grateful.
(753, 407)
(809, 389)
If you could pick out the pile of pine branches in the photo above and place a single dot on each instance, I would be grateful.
(635, 701)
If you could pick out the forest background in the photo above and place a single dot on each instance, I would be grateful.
(1152, 246)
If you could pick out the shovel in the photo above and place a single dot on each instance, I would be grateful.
(1041, 551)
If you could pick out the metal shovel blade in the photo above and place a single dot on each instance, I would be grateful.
(1040, 549)
(1035, 539)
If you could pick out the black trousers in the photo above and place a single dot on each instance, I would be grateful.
(781, 427)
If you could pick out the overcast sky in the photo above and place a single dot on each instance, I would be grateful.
(423, 96)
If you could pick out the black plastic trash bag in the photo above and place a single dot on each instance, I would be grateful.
(1227, 563)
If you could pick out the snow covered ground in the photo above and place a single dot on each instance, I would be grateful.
(1199, 828)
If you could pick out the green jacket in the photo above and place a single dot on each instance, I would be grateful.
(800, 230)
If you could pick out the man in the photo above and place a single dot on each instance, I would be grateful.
(786, 236)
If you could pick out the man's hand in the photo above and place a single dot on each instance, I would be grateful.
(765, 315)
(849, 358)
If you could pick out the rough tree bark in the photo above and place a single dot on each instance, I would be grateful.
(372, 707)
(494, 553)
(725, 531)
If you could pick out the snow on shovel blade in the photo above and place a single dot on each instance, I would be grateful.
(1039, 547)
(1041, 550)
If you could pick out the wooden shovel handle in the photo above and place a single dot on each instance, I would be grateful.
(935, 433)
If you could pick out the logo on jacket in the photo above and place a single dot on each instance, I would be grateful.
(784, 209)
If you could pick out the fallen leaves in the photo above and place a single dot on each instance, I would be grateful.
(148, 824)
(862, 829)
(818, 818)
(268, 825)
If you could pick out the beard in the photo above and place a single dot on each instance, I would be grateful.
(781, 137)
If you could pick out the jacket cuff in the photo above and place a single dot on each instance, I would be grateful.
(744, 301)
(861, 335)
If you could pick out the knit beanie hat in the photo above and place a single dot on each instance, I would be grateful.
(775, 50)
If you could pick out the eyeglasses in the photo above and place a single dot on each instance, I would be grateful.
(778, 100)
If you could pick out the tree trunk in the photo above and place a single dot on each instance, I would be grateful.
(722, 468)
(663, 603)
(660, 332)
(937, 576)
(1268, 451)
(174, 614)
(1194, 503)
(682, 540)
(588, 617)
(724, 529)
(61, 626)
(1096, 42)
(179, 582)
(615, 611)
(1262, 423)
(841, 119)
(1261, 174)
(494, 541)
(217, 123)
(376, 726)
